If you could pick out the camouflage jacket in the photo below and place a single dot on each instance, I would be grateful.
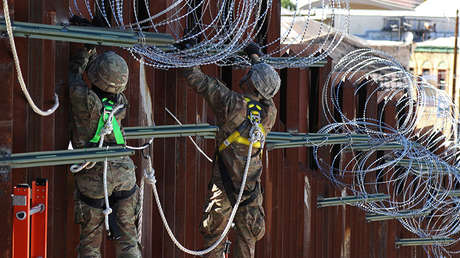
(86, 106)
(230, 110)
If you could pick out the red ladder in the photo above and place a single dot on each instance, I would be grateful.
(30, 224)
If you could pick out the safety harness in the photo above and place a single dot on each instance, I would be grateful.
(253, 118)
(114, 230)
(108, 107)
(254, 109)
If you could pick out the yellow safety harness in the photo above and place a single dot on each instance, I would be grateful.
(254, 109)
(253, 118)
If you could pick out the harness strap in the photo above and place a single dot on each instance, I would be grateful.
(115, 232)
(254, 108)
(113, 198)
(230, 189)
(108, 106)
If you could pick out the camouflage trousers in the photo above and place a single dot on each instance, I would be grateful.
(249, 222)
(120, 177)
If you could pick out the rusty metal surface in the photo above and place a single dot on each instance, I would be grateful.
(295, 226)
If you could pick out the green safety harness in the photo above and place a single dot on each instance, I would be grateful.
(114, 232)
(108, 107)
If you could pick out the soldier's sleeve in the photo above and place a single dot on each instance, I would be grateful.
(221, 99)
(82, 103)
(77, 66)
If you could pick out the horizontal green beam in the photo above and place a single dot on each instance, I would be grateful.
(454, 193)
(63, 157)
(351, 200)
(423, 241)
(167, 131)
(112, 37)
(424, 167)
(90, 35)
(275, 140)
(313, 140)
(401, 215)
(380, 147)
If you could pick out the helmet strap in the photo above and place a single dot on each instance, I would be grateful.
(103, 94)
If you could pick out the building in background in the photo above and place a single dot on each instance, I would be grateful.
(430, 20)
(367, 4)
(419, 34)
(434, 61)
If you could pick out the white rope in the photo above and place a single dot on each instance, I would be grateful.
(18, 67)
(141, 210)
(142, 147)
(256, 135)
(107, 210)
(190, 137)
(108, 128)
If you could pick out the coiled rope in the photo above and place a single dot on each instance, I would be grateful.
(255, 135)
(18, 68)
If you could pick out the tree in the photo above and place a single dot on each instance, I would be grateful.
(288, 5)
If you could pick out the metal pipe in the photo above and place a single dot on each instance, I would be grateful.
(63, 157)
(423, 241)
(367, 147)
(425, 167)
(335, 201)
(165, 131)
(401, 215)
(90, 35)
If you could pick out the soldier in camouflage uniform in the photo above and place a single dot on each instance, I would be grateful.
(261, 84)
(108, 74)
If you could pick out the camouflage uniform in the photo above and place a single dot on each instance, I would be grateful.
(230, 111)
(86, 109)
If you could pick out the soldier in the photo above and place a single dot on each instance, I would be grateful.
(108, 74)
(232, 110)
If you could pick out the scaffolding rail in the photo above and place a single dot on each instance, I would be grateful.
(423, 241)
(63, 157)
(275, 140)
(110, 37)
(350, 200)
(401, 215)
(427, 167)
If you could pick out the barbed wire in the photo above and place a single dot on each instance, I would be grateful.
(394, 107)
(222, 28)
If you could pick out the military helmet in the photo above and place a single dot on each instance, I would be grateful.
(265, 79)
(109, 72)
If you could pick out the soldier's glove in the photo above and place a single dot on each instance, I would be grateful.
(252, 48)
(97, 21)
(80, 21)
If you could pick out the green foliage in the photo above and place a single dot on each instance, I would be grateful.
(288, 5)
